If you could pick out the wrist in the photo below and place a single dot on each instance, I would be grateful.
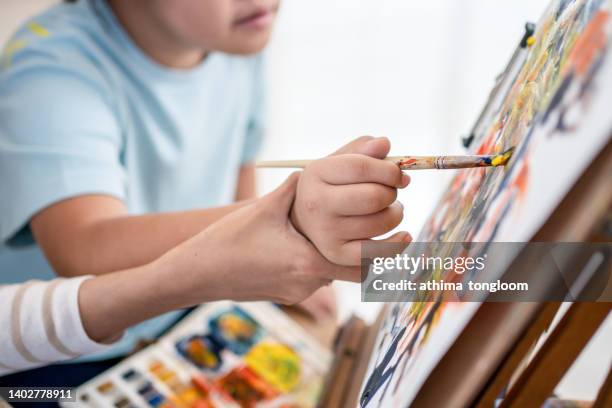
(111, 303)
(183, 275)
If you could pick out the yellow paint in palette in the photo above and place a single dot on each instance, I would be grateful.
(278, 364)
(236, 326)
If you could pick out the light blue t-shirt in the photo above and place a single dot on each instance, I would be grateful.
(83, 110)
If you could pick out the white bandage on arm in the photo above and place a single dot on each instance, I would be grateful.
(40, 323)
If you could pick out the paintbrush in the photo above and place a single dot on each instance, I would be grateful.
(415, 162)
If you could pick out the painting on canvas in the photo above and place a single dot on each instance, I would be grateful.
(554, 114)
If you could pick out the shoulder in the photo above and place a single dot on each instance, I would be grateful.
(66, 38)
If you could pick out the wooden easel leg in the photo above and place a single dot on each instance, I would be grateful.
(348, 344)
(516, 356)
(558, 353)
(604, 397)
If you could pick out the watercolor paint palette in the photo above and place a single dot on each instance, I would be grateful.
(223, 354)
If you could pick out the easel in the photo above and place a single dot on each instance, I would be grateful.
(510, 329)
(588, 205)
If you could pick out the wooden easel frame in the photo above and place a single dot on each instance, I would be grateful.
(604, 397)
(587, 204)
(493, 363)
(570, 336)
(354, 339)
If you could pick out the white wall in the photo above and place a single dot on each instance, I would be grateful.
(12, 12)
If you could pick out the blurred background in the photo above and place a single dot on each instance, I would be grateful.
(416, 71)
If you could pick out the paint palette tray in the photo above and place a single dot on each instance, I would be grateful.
(224, 354)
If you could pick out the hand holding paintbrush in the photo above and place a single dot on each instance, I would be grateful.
(346, 199)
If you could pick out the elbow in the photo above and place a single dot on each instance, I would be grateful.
(69, 266)
(76, 252)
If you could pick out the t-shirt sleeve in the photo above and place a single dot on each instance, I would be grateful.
(256, 124)
(59, 138)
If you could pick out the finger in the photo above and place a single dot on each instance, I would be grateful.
(371, 225)
(377, 148)
(346, 272)
(359, 199)
(390, 246)
(370, 146)
(354, 168)
(284, 194)
(354, 251)
(402, 237)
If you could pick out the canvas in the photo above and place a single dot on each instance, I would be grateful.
(552, 107)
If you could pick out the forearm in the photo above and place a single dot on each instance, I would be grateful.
(246, 187)
(130, 241)
(111, 303)
(116, 241)
(64, 318)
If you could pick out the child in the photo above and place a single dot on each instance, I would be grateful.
(127, 127)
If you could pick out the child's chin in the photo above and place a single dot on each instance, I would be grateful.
(247, 46)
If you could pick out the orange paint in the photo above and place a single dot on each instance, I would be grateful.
(520, 182)
(589, 43)
(407, 162)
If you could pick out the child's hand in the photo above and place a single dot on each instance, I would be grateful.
(253, 253)
(350, 197)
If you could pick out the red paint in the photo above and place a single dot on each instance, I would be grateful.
(408, 162)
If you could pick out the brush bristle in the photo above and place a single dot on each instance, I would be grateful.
(502, 158)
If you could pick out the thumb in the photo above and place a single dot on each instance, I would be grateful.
(377, 147)
(284, 194)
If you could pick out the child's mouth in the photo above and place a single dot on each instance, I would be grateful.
(256, 20)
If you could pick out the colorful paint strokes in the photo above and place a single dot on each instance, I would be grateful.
(237, 330)
(221, 355)
(203, 351)
(554, 115)
(276, 363)
(245, 387)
